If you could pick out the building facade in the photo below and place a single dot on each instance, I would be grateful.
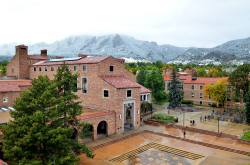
(193, 87)
(109, 94)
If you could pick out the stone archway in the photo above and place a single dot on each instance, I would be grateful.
(102, 128)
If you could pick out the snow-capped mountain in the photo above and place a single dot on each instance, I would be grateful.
(235, 51)
(115, 45)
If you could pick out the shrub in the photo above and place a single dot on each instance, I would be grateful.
(164, 118)
(246, 136)
(188, 102)
(86, 131)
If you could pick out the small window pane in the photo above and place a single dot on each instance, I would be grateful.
(129, 93)
(111, 68)
(106, 93)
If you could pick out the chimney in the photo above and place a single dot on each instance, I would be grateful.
(44, 52)
(22, 50)
(82, 55)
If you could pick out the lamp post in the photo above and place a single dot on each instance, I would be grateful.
(218, 124)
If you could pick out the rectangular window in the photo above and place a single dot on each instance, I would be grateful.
(75, 68)
(105, 93)
(129, 93)
(192, 94)
(201, 87)
(201, 95)
(84, 68)
(46, 69)
(200, 102)
(111, 68)
(5, 100)
(192, 86)
(84, 85)
(40, 69)
(52, 68)
(34, 69)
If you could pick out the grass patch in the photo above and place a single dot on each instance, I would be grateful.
(164, 118)
(246, 136)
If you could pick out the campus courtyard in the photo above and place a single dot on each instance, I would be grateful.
(151, 145)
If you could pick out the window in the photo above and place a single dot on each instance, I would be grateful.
(5, 99)
(12, 70)
(200, 102)
(46, 69)
(201, 95)
(192, 94)
(192, 86)
(129, 93)
(201, 87)
(40, 69)
(111, 68)
(105, 93)
(34, 69)
(84, 68)
(143, 97)
(75, 68)
(84, 85)
(52, 68)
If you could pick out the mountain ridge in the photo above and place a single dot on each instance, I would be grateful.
(128, 47)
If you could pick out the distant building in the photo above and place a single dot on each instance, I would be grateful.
(109, 93)
(193, 86)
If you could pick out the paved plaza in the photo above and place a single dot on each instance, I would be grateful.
(106, 153)
(209, 125)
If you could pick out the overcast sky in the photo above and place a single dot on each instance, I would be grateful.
(201, 23)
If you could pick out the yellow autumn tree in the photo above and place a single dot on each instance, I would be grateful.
(217, 91)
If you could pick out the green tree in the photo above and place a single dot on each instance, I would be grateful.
(175, 90)
(155, 82)
(141, 77)
(239, 78)
(42, 129)
(247, 107)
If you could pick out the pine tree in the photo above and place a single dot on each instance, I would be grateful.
(175, 90)
(43, 123)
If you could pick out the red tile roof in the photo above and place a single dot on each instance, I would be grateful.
(86, 60)
(204, 80)
(39, 57)
(144, 90)
(120, 82)
(13, 85)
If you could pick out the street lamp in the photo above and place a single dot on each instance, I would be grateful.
(218, 124)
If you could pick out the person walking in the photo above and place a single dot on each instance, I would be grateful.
(184, 134)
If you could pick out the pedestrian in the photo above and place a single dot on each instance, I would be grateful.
(193, 122)
(184, 134)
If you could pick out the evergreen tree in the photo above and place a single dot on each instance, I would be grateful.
(247, 107)
(44, 122)
(175, 90)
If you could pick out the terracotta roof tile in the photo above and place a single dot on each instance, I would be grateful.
(144, 90)
(13, 85)
(120, 82)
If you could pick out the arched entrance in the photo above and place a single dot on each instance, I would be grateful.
(102, 128)
(74, 134)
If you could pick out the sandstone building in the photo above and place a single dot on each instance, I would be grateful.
(193, 87)
(110, 96)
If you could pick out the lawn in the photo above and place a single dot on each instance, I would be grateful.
(246, 136)
(164, 118)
